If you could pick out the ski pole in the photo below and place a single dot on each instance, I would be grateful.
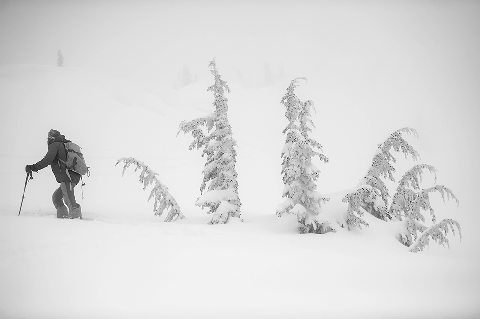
(29, 177)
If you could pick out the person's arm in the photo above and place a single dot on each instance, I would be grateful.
(48, 159)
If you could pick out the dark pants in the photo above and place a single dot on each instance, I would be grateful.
(65, 195)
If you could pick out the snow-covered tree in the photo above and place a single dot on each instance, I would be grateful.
(408, 203)
(299, 172)
(218, 145)
(59, 58)
(405, 201)
(163, 200)
(371, 196)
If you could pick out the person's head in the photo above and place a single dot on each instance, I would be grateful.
(54, 135)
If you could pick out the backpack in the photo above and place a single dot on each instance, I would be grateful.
(75, 161)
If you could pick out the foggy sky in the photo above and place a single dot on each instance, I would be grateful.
(151, 41)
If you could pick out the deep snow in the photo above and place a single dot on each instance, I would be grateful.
(121, 261)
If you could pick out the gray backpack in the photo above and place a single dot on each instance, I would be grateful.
(75, 161)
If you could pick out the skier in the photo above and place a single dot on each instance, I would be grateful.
(56, 157)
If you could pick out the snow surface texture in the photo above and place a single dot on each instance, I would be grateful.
(122, 261)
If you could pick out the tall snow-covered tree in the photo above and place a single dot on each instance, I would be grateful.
(299, 172)
(59, 58)
(219, 174)
(163, 200)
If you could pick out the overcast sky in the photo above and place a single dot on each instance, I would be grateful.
(151, 41)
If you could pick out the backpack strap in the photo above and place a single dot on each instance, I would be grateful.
(67, 171)
(62, 161)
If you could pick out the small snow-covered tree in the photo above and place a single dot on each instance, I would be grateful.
(408, 203)
(371, 194)
(218, 145)
(299, 172)
(163, 200)
(59, 58)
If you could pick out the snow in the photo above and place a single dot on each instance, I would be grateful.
(283, 206)
(225, 208)
(298, 209)
(215, 196)
(124, 262)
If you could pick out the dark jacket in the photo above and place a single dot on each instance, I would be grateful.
(56, 150)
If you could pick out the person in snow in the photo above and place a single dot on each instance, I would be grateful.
(56, 157)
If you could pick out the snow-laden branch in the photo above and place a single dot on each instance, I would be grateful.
(443, 191)
(194, 126)
(364, 198)
(406, 201)
(383, 159)
(222, 203)
(409, 204)
(413, 176)
(438, 233)
(163, 200)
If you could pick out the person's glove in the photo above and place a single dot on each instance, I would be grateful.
(30, 168)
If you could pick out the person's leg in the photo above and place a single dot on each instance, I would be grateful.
(75, 210)
(57, 199)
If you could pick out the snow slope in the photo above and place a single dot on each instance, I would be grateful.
(123, 262)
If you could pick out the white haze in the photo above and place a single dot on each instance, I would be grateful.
(372, 67)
